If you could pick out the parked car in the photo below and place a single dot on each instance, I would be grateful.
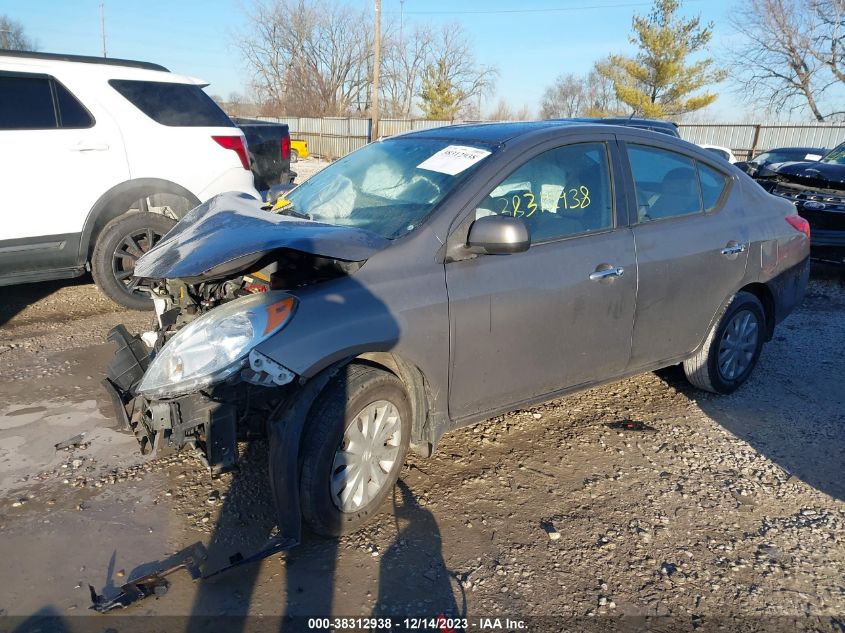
(780, 155)
(270, 152)
(721, 152)
(100, 158)
(655, 125)
(817, 189)
(440, 277)
(298, 149)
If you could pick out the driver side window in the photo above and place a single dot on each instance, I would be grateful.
(561, 192)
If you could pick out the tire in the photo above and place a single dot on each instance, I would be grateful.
(357, 388)
(112, 272)
(705, 371)
(294, 156)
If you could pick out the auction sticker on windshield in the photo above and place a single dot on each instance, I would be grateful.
(453, 159)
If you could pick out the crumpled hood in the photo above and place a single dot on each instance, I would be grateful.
(811, 174)
(233, 226)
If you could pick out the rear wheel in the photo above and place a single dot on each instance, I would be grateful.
(119, 245)
(356, 440)
(294, 156)
(732, 348)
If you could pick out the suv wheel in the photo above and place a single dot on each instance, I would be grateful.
(732, 348)
(118, 247)
(356, 439)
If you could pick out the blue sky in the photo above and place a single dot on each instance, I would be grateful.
(530, 48)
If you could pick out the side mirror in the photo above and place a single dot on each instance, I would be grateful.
(498, 235)
(742, 165)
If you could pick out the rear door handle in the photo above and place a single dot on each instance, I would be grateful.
(90, 147)
(605, 271)
(734, 248)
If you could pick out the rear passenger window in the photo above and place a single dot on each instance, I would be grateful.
(562, 192)
(72, 113)
(26, 103)
(174, 104)
(666, 183)
(713, 183)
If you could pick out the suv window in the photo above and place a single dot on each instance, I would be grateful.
(173, 104)
(71, 112)
(562, 192)
(26, 103)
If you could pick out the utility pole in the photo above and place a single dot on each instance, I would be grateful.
(376, 71)
(103, 25)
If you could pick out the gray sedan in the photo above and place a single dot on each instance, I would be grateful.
(442, 277)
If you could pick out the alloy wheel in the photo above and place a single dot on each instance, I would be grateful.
(127, 253)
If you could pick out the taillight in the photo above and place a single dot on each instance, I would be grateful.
(237, 145)
(285, 147)
(799, 224)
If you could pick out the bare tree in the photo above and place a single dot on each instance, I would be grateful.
(566, 97)
(309, 58)
(404, 60)
(13, 37)
(780, 60)
(573, 95)
(504, 112)
(452, 78)
(829, 44)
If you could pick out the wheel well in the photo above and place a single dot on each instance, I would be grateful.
(762, 292)
(415, 385)
(119, 200)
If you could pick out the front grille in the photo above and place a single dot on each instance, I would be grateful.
(801, 195)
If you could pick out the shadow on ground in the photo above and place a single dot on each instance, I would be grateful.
(771, 411)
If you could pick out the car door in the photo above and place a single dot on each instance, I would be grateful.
(559, 314)
(691, 249)
(57, 160)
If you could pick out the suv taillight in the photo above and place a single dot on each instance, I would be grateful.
(237, 145)
(285, 147)
(799, 224)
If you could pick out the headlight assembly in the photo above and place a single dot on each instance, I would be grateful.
(216, 345)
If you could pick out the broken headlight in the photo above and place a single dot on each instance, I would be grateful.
(216, 345)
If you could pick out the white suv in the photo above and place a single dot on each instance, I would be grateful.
(99, 158)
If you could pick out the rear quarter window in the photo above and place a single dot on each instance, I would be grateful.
(173, 104)
(713, 184)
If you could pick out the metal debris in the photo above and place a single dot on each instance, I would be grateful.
(73, 442)
(630, 425)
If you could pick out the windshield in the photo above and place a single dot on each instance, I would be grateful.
(388, 188)
(836, 155)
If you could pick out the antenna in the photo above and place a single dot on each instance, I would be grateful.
(103, 26)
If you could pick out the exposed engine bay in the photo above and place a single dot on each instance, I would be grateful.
(214, 419)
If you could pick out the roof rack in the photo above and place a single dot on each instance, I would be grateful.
(85, 59)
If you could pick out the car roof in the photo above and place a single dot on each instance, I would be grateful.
(500, 132)
(104, 68)
(85, 59)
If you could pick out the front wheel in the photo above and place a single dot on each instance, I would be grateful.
(732, 348)
(119, 245)
(356, 439)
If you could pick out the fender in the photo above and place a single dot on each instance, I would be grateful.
(116, 202)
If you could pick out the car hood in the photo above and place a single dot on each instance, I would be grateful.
(811, 174)
(233, 227)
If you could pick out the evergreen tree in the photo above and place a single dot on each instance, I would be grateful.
(440, 98)
(658, 82)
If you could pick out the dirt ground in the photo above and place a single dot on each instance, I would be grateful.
(721, 509)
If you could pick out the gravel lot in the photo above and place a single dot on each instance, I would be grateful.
(722, 509)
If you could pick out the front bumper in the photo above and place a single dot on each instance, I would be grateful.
(207, 421)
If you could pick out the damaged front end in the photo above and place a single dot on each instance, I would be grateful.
(222, 281)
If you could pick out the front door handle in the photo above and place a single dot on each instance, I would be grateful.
(606, 271)
(734, 248)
